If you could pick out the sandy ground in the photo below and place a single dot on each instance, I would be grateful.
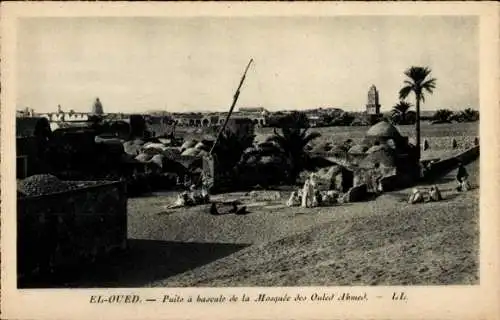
(383, 242)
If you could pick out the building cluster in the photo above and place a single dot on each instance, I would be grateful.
(258, 115)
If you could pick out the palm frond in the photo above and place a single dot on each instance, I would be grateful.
(303, 133)
(395, 112)
(402, 106)
(311, 136)
(421, 96)
(429, 84)
(409, 83)
(405, 91)
(417, 74)
(278, 140)
(270, 150)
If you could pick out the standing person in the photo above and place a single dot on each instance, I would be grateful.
(307, 193)
(462, 176)
(426, 144)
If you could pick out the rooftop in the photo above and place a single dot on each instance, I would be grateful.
(383, 129)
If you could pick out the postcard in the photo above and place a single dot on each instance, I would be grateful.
(240, 160)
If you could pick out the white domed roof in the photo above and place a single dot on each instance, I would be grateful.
(189, 144)
(190, 152)
(383, 129)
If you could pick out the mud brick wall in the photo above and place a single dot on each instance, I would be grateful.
(68, 228)
(368, 176)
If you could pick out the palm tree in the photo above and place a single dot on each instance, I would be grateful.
(291, 145)
(400, 112)
(230, 147)
(418, 81)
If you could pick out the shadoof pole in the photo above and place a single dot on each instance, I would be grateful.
(235, 99)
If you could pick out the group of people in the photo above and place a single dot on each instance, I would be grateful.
(310, 196)
(419, 196)
(195, 196)
(434, 194)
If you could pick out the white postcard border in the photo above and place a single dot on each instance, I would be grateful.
(450, 302)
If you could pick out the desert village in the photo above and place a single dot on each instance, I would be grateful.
(82, 175)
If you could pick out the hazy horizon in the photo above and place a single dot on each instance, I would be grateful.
(195, 64)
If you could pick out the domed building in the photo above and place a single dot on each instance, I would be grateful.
(384, 152)
(383, 129)
(390, 149)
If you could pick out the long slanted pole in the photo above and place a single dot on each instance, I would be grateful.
(235, 99)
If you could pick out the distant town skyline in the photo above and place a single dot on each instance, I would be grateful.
(195, 64)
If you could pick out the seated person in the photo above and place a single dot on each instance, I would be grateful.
(462, 176)
(435, 194)
(294, 199)
(416, 197)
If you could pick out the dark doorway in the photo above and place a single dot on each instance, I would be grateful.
(347, 179)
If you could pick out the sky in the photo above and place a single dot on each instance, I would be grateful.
(184, 64)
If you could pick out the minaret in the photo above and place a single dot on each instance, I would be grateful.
(97, 107)
(373, 106)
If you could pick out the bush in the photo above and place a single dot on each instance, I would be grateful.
(467, 115)
(344, 119)
(442, 116)
(361, 121)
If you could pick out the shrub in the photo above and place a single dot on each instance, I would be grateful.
(442, 116)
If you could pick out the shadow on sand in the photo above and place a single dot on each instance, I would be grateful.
(143, 262)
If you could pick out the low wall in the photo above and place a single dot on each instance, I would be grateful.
(396, 181)
(68, 228)
(446, 165)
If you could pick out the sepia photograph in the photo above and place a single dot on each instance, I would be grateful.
(247, 151)
(347, 156)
